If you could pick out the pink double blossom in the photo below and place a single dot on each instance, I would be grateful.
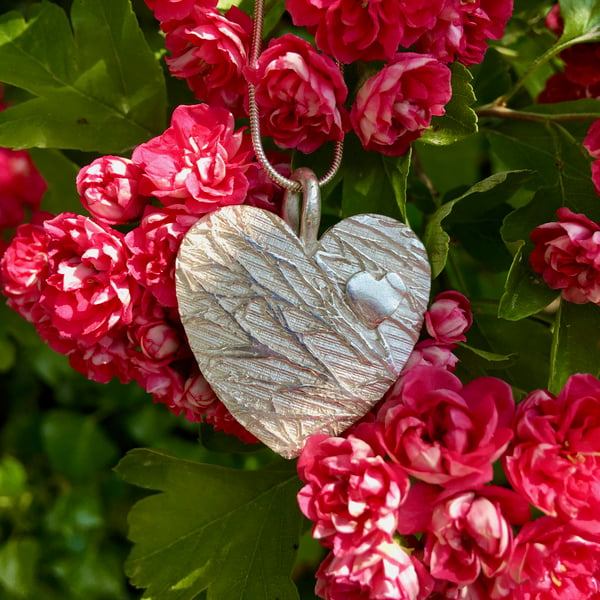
(445, 433)
(88, 289)
(300, 95)
(167, 10)
(449, 317)
(554, 460)
(108, 189)
(394, 107)
(591, 143)
(567, 255)
(199, 162)
(209, 50)
(350, 491)
(551, 560)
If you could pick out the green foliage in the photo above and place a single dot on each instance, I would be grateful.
(96, 87)
(236, 541)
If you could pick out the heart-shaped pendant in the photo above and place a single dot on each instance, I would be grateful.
(297, 335)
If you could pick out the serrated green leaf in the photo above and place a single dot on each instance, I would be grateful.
(483, 196)
(460, 119)
(232, 533)
(581, 19)
(97, 87)
(76, 445)
(575, 343)
(525, 293)
(396, 170)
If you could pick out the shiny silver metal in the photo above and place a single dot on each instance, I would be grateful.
(297, 335)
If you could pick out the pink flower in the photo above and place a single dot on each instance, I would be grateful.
(449, 317)
(351, 31)
(221, 419)
(394, 107)
(559, 88)
(469, 534)
(591, 141)
(429, 353)
(443, 432)
(108, 188)
(23, 269)
(166, 10)
(350, 490)
(567, 255)
(209, 51)
(154, 245)
(418, 17)
(554, 460)
(300, 94)
(21, 186)
(199, 161)
(382, 571)
(263, 192)
(88, 290)
(551, 561)
(582, 63)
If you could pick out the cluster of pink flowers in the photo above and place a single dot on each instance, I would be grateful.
(581, 75)
(106, 298)
(301, 93)
(21, 189)
(405, 500)
(567, 255)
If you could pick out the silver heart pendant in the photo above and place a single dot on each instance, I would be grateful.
(297, 335)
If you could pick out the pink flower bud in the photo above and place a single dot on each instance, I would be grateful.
(449, 317)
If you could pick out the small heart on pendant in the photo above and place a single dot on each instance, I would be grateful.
(374, 300)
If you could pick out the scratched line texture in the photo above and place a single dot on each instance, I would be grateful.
(292, 344)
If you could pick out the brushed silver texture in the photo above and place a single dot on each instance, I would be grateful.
(297, 342)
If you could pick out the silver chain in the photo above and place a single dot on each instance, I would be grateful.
(284, 182)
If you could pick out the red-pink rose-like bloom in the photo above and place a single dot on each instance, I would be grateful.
(443, 432)
(108, 188)
(551, 560)
(300, 94)
(21, 186)
(567, 255)
(221, 419)
(349, 30)
(394, 107)
(88, 290)
(167, 10)
(554, 460)
(23, 269)
(200, 161)
(209, 50)
(469, 534)
(430, 353)
(382, 571)
(263, 192)
(154, 245)
(591, 141)
(350, 490)
(449, 317)
(559, 88)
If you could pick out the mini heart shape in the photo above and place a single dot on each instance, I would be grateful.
(295, 344)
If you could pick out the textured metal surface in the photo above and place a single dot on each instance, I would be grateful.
(296, 344)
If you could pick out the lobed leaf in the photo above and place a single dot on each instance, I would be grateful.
(97, 87)
(233, 533)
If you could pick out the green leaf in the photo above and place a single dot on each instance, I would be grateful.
(18, 565)
(12, 480)
(97, 87)
(59, 173)
(233, 533)
(76, 444)
(525, 293)
(581, 18)
(575, 343)
(483, 196)
(460, 119)
(396, 170)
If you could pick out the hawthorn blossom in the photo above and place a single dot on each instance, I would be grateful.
(199, 163)
(443, 432)
(394, 107)
(167, 10)
(300, 94)
(209, 50)
(108, 189)
(554, 459)
(567, 255)
(449, 317)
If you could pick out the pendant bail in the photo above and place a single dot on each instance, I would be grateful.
(305, 226)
